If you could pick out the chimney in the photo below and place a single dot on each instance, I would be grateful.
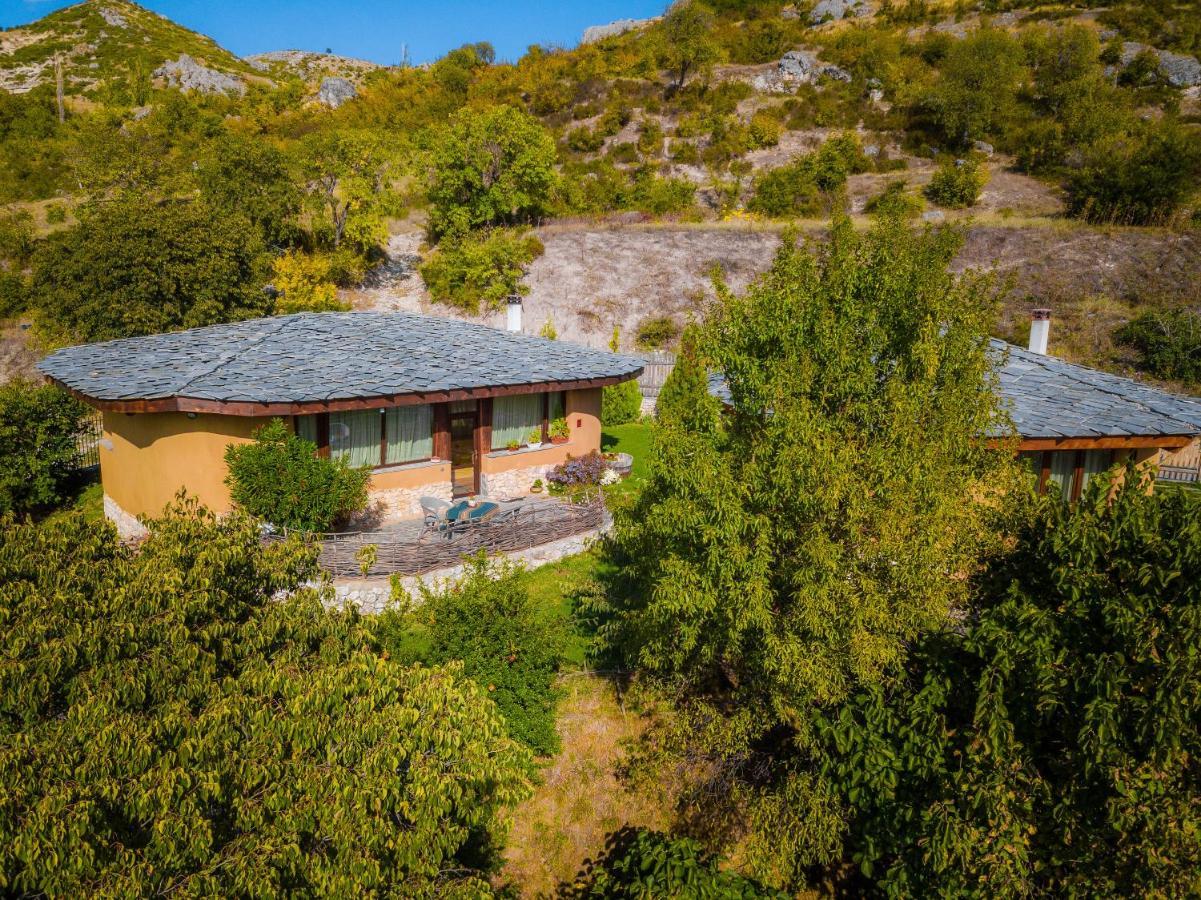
(1040, 330)
(513, 322)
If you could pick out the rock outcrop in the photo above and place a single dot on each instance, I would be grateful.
(336, 91)
(187, 74)
(596, 33)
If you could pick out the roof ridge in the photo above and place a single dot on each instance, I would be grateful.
(281, 322)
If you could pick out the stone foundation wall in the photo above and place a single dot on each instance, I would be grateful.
(128, 527)
(393, 504)
(512, 484)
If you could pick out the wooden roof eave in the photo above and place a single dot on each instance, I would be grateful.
(301, 408)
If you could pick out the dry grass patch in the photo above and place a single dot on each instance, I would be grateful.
(581, 799)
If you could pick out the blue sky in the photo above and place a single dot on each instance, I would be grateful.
(375, 29)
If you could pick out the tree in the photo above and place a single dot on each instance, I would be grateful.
(490, 624)
(1049, 746)
(347, 175)
(978, 83)
(280, 478)
(688, 43)
(186, 717)
(489, 167)
(134, 267)
(249, 177)
(788, 557)
(40, 427)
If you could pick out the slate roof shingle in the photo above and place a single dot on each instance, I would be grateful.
(1047, 397)
(324, 356)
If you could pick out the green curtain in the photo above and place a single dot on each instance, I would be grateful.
(513, 418)
(410, 431)
(354, 436)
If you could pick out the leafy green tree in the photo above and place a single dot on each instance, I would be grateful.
(638, 863)
(488, 623)
(39, 431)
(1168, 343)
(977, 87)
(788, 557)
(688, 43)
(249, 177)
(185, 717)
(1049, 746)
(280, 478)
(136, 267)
(480, 269)
(489, 167)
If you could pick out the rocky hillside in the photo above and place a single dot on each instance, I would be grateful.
(114, 46)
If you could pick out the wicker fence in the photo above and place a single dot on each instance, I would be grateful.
(530, 525)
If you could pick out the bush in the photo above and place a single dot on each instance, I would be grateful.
(1168, 343)
(957, 182)
(280, 478)
(188, 716)
(304, 283)
(480, 269)
(488, 622)
(656, 333)
(40, 427)
(621, 403)
(640, 863)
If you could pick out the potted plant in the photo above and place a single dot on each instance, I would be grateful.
(513, 445)
(560, 433)
(534, 439)
(536, 487)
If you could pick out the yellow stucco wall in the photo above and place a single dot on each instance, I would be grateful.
(582, 410)
(153, 455)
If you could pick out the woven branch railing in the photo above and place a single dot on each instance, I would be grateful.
(529, 526)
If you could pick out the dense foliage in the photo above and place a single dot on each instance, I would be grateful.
(1050, 745)
(1168, 343)
(132, 268)
(638, 863)
(487, 623)
(172, 724)
(40, 427)
(279, 478)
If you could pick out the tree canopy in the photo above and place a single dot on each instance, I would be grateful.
(187, 718)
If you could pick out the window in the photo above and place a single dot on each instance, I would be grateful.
(513, 418)
(376, 437)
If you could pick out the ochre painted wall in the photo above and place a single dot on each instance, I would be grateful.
(582, 410)
(153, 455)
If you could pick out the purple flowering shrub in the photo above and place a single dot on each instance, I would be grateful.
(579, 470)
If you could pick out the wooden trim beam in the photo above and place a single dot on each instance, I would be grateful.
(1130, 442)
(245, 408)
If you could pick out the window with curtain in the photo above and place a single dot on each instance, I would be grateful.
(354, 436)
(410, 434)
(513, 418)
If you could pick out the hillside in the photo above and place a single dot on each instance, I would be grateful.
(108, 49)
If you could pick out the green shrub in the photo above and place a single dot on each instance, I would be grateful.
(480, 269)
(655, 333)
(621, 403)
(639, 863)
(187, 716)
(40, 426)
(280, 478)
(1168, 343)
(894, 200)
(957, 182)
(506, 644)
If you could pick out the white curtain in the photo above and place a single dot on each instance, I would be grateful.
(410, 431)
(306, 428)
(513, 418)
(354, 436)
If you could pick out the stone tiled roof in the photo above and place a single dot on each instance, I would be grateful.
(310, 357)
(1049, 398)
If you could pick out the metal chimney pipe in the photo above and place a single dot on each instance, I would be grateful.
(1040, 330)
(513, 320)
